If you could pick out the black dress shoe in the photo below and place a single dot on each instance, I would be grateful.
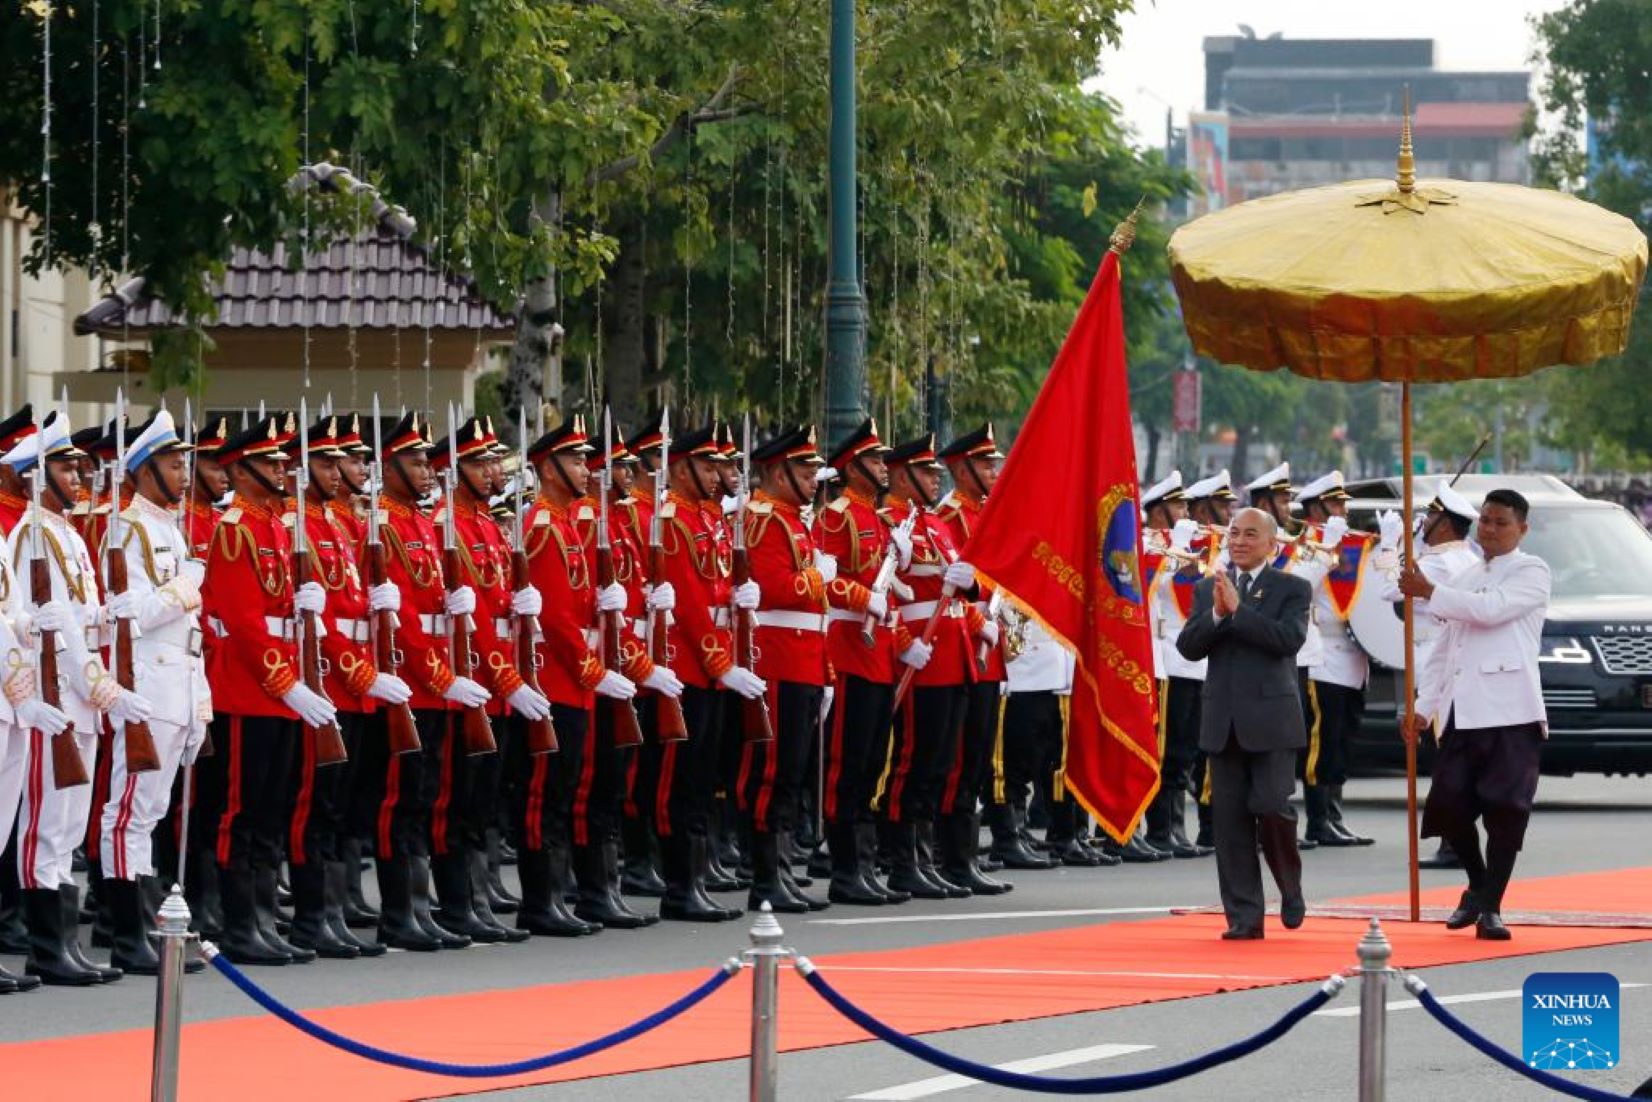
(1292, 912)
(1242, 933)
(1352, 838)
(1070, 853)
(1307, 842)
(850, 891)
(1442, 858)
(1490, 927)
(1466, 914)
(1327, 835)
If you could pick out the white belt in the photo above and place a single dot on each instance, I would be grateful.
(433, 623)
(919, 610)
(640, 626)
(278, 626)
(934, 570)
(800, 621)
(845, 614)
(720, 616)
(356, 631)
(502, 626)
(592, 637)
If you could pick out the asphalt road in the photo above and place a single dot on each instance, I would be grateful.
(1582, 824)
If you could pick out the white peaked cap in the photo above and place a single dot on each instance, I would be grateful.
(1277, 479)
(1165, 489)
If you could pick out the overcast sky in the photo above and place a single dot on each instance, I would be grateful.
(1162, 59)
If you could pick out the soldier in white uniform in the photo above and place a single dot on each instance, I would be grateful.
(1210, 503)
(1335, 699)
(1165, 506)
(1272, 494)
(163, 600)
(54, 819)
(1481, 695)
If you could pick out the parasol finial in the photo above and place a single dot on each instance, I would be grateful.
(1124, 234)
(1406, 178)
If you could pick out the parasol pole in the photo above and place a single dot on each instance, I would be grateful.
(1410, 662)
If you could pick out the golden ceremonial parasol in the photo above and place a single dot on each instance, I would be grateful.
(1415, 281)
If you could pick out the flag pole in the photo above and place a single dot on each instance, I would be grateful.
(1410, 697)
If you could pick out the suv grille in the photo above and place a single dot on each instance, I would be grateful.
(1624, 655)
(1556, 699)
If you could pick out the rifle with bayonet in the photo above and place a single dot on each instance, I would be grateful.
(381, 625)
(885, 576)
(668, 710)
(756, 725)
(141, 755)
(474, 727)
(611, 625)
(541, 732)
(68, 767)
(325, 741)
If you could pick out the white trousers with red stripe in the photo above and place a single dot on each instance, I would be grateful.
(14, 762)
(51, 820)
(137, 803)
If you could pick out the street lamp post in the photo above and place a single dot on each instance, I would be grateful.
(845, 304)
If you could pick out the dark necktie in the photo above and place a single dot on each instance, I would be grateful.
(1244, 587)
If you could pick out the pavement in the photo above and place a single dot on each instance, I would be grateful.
(1582, 824)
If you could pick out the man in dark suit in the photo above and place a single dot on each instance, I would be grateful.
(1250, 621)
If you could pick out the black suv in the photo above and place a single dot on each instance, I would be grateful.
(1597, 640)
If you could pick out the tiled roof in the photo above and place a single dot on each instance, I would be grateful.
(389, 282)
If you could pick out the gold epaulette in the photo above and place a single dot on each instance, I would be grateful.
(760, 508)
(838, 505)
(585, 513)
(668, 510)
(541, 519)
(232, 515)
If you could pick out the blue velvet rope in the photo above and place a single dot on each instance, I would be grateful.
(1502, 1055)
(1107, 1084)
(470, 1071)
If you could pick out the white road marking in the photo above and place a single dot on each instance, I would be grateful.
(834, 968)
(988, 916)
(923, 1088)
(1443, 1000)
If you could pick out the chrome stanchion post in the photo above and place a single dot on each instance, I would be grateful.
(173, 926)
(765, 955)
(1374, 952)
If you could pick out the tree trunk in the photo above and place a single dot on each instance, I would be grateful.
(626, 328)
(538, 340)
(1241, 449)
(1153, 436)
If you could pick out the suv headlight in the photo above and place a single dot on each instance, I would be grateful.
(1564, 650)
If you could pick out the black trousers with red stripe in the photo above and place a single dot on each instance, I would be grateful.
(249, 777)
(927, 728)
(642, 766)
(468, 789)
(773, 774)
(542, 809)
(973, 762)
(401, 820)
(688, 769)
(857, 745)
(600, 797)
(321, 796)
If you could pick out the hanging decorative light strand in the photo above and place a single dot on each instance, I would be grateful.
(46, 124)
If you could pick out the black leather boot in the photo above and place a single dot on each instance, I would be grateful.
(1008, 845)
(901, 839)
(14, 936)
(960, 838)
(1321, 830)
(455, 909)
(846, 886)
(929, 857)
(336, 890)
(766, 884)
(266, 883)
(1337, 823)
(132, 951)
(1062, 836)
(594, 902)
(241, 940)
(203, 894)
(681, 901)
(500, 899)
(481, 900)
(49, 960)
(794, 888)
(543, 912)
(867, 846)
(358, 913)
(700, 852)
(616, 898)
(1180, 844)
(311, 930)
(69, 895)
(398, 927)
(420, 894)
(641, 875)
(1206, 838)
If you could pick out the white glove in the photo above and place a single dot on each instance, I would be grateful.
(1335, 529)
(826, 699)
(194, 570)
(901, 590)
(611, 598)
(1390, 528)
(616, 686)
(390, 689)
(527, 602)
(747, 595)
(310, 597)
(959, 575)
(313, 708)
(827, 565)
(903, 546)
(989, 633)
(54, 616)
(460, 602)
(743, 681)
(664, 682)
(466, 693)
(918, 654)
(122, 606)
(1182, 533)
(660, 598)
(529, 703)
(877, 605)
(384, 598)
(42, 717)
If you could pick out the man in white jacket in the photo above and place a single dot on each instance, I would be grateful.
(1481, 694)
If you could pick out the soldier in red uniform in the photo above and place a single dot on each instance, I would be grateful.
(790, 640)
(697, 566)
(724, 857)
(633, 508)
(857, 535)
(402, 834)
(929, 721)
(972, 460)
(200, 515)
(468, 796)
(14, 495)
(257, 693)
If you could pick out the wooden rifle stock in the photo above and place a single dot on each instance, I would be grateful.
(68, 767)
(141, 755)
(627, 730)
(403, 732)
(326, 741)
(668, 710)
(473, 724)
(928, 638)
(541, 732)
(756, 725)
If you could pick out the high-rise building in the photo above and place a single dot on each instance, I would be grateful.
(1284, 113)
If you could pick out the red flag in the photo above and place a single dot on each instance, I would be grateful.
(1061, 536)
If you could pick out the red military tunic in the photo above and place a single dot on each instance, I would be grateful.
(12, 509)
(852, 530)
(559, 569)
(696, 567)
(790, 643)
(415, 566)
(344, 514)
(961, 514)
(248, 597)
(346, 645)
(199, 520)
(953, 661)
(634, 661)
(485, 566)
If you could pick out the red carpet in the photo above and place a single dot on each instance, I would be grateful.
(948, 986)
